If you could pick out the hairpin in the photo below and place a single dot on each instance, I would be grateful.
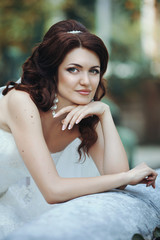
(74, 31)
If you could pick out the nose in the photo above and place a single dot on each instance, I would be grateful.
(85, 80)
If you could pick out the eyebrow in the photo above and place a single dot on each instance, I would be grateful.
(75, 64)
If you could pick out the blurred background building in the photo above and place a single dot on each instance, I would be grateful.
(131, 32)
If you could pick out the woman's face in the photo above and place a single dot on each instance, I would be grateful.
(78, 77)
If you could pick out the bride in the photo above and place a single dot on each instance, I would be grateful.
(52, 123)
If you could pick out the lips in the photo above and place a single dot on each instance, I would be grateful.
(84, 91)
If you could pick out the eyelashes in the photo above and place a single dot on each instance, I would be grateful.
(93, 71)
(72, 70)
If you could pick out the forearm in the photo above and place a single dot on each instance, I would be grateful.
(69, 188)
(115, 158)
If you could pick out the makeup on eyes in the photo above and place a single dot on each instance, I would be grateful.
(76, 67)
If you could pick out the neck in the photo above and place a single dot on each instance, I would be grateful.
(62, 103)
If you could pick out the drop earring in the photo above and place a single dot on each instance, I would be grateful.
(54, 107)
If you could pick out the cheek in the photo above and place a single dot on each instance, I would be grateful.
(96, 86)
(61, 81)
(65, 84)
(96, 83)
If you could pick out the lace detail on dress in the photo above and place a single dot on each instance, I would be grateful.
(20, 199)
(12, 167)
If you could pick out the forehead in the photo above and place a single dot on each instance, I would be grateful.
(82, 56)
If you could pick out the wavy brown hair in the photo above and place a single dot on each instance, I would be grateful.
(39, 77)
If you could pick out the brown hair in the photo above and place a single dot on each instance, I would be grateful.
(39, 76)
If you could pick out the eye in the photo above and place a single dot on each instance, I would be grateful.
(72, 70)
(94, 71)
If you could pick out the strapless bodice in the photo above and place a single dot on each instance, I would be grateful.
(12, 167)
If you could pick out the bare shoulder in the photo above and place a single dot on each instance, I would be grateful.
(20, 101)
(19, 98)
(21, 110)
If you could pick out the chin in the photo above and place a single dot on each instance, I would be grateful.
(84, 102)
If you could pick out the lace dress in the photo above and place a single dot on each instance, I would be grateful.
(20, 199)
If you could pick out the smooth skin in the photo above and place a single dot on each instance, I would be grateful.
(37, 134)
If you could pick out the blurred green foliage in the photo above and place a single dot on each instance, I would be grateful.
(81, 10)
(130, 67)
(21, 26)
(23, 23)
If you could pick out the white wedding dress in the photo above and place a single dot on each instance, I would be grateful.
(20, 199)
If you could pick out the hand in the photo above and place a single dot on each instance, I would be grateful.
(143, 174)
(76, 113)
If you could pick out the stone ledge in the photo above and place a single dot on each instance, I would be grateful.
(114, 215)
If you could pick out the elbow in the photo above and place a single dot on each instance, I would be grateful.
(53, 198)
(55, 195)
(126, 168)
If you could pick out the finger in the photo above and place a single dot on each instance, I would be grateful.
(144, 181)
(151, 178)
(69, 121)
(64, 110)
(74, 119)
(76, 115)
(151, 183)
(84, 114)
(154, 185)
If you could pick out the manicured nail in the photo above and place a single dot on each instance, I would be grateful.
(69, 127)
(77, 121)
(63, 127)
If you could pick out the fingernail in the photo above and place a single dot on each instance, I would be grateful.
(77, 121)
(55, 115)
(69, 127)
(63, 127)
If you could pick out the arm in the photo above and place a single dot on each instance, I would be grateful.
(25, 124)
(108, 152)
